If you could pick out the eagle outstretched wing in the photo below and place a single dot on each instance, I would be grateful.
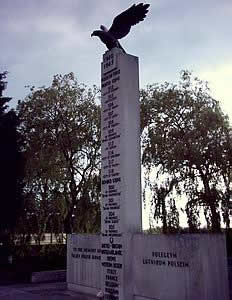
(122, 23)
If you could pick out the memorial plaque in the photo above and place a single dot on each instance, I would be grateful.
(84, 263)
(121, 203)
(180, 267)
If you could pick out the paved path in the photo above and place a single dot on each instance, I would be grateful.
(39, 291)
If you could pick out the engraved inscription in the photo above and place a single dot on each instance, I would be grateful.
(112, 248)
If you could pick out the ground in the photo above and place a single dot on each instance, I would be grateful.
(41, 291)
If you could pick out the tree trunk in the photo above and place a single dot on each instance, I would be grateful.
(68, 226)
(164, 214)
(210, 199)
(215, 217)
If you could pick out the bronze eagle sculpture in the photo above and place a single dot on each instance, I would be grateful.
(121, 25)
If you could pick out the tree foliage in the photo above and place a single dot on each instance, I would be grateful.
(61, 126)
(187, 139)
(186, 154)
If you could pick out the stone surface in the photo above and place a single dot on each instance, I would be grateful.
(180, 267)
(158, 267)
(121, 165)
(122, 263)
(84, 263)
(121, 186)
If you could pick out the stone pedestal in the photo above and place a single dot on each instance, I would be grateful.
(121, 186)
(122, 263)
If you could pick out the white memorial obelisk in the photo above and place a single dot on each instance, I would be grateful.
(121, 170)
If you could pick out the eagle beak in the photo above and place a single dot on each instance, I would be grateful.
(92, 34)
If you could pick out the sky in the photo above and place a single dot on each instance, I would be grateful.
(42, 38)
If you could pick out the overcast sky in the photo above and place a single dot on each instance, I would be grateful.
(41, 38)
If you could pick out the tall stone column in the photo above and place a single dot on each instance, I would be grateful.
(121, 170)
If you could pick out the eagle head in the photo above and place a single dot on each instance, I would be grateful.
(96, 33)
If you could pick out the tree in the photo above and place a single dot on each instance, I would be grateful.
(11, 163)
(61, 126)
(188, 138)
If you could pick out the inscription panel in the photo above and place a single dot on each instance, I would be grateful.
(84, 260)
(112, 248)
(120, 172)
(109, 62)
(180, 266)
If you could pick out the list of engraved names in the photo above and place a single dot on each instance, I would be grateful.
(112, 247)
